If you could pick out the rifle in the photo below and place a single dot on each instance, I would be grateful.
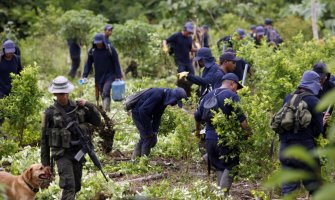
(87, 146)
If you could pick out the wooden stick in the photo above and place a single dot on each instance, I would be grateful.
(148, 178)
(121, 159)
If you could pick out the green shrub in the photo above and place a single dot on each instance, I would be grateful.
(180, 141)
(140, 41)
(81, 25)
(8, 147)
(291, 26)
(21, 108)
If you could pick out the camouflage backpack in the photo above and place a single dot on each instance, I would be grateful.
(294, 115)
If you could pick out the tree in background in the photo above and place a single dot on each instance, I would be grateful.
(81, 25)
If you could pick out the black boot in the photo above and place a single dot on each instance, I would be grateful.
(136, 152)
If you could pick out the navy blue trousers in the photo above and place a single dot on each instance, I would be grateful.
(312, 183)
(147, 140)
(220, 156)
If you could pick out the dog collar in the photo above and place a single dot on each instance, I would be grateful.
(35, 190)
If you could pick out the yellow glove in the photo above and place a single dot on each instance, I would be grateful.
(165, 49)
(182, 75)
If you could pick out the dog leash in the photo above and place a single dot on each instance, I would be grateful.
(35, 190)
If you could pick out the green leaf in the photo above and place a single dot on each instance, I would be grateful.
(328, 152)
(285, 176)
(328, 99)
(300, 153)
(327, 192)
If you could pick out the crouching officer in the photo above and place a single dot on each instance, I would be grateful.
(64, 145)
(147, 115)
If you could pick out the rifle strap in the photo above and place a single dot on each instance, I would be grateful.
(66, 117)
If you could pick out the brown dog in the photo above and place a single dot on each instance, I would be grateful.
(26, 185)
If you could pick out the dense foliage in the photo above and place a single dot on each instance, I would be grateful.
(40, 28)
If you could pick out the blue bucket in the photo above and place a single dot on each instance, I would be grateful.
(118, 90)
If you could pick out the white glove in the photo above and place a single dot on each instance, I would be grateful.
(182, 75)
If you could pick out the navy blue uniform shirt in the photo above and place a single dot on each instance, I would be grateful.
(7, 67)
(206, 78)
(181, 46)
(239, 70)
(226, 109)
(217, 78)
(106, 40)
(206, 40)
(314, 128)
(149, 110)
(107, 66)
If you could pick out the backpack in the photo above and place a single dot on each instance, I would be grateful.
(294, 115)
(131, 100)
(210, 105)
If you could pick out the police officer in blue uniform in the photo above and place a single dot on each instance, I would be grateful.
(147, 115)
(214, 150)
(106, 65)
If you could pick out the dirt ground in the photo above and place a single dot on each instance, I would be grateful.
(178, 173)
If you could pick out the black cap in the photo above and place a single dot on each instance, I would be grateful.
(321, 69)
(267, 21)
(232, 77)
(228, 56)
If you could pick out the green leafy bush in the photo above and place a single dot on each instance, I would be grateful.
(140, 41)
(180, 141)
(81, 25)
(8, 147)
(21, 108)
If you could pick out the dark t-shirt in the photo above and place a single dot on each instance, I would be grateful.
(239, 70)
(7, 67)
(106, 66)
(181, 48)
(206, 44)
(217, 78)
(149, 110)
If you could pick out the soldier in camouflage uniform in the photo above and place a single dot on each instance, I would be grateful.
(62, 144)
